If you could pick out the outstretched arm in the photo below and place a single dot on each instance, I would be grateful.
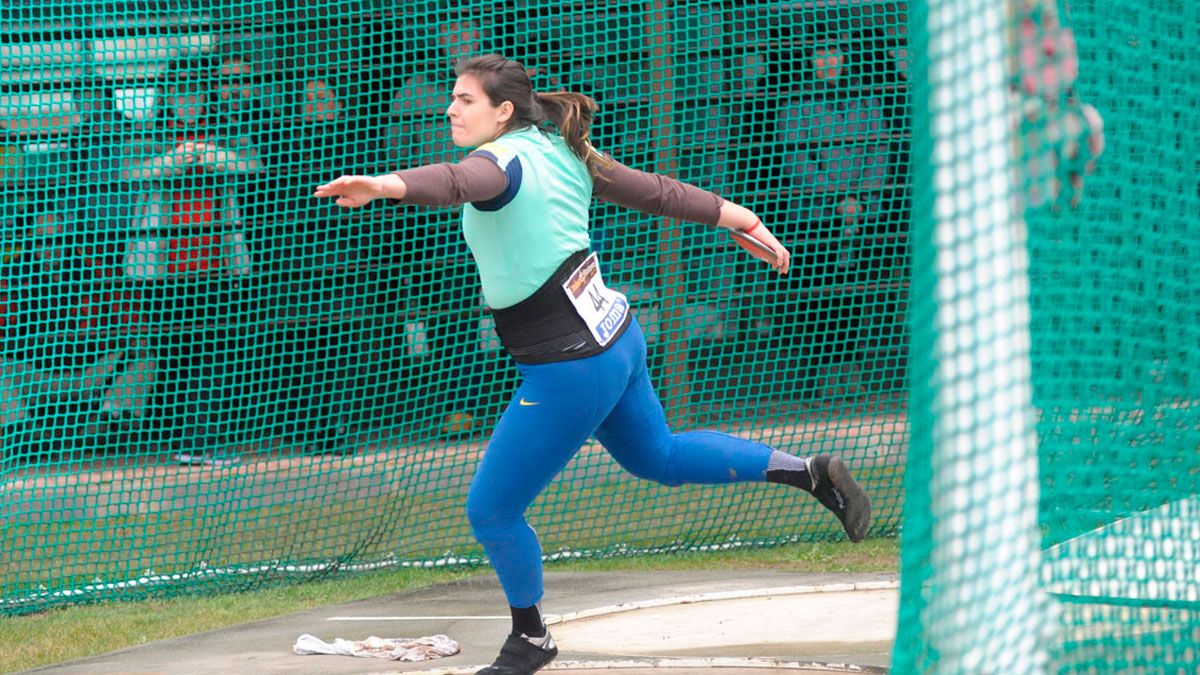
(664, 196)
(473, 179)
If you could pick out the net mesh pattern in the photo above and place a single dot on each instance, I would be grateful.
(212, 381)
(1051, 482)
(173, 292)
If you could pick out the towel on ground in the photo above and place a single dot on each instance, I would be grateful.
(396, 649)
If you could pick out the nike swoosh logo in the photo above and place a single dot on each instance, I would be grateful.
(526, 403)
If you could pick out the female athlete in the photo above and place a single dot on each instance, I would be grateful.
(525, 189)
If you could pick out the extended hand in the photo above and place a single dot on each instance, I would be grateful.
(764, 246)
(783, 257)
(351, 191)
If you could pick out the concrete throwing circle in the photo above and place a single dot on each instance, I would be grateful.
(808, 629)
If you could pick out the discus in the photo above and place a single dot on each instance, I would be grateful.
(756, 247)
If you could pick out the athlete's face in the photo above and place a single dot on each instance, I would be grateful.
(473, 119)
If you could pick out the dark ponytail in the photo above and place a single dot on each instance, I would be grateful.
(568, 113)
(572, 115)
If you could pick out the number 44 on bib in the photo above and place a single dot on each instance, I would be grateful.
(600, 307)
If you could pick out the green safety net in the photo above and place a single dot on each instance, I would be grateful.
(330, 375)
(1052, 516)
(1116, 357)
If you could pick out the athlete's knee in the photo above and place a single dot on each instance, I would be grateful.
(668, 475)
(481, 513)
(489, 520)
(654, 474)
(651, 463)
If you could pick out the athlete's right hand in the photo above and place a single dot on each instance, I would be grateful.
(352, 191)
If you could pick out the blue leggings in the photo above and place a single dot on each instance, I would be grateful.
(554, 411)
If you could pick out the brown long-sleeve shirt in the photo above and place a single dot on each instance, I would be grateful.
(476, 178)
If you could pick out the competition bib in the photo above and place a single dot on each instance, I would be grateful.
(602, 309)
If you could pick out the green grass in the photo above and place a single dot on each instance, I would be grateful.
(68, 633)
(69, 554)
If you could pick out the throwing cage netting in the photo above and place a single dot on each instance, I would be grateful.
(1051, 516)
(213, 381)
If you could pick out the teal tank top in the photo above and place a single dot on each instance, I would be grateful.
(520, 237)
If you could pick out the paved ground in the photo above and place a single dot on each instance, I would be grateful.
(631, 623)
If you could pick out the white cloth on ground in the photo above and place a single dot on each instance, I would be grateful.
(396, 649)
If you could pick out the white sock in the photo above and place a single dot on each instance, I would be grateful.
(791, 470)
(545, 642)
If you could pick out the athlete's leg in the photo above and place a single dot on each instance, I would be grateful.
(551, 415)
(636, 434)
(555, 409)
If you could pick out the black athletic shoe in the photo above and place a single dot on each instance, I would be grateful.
(519, 656)
(840, 493)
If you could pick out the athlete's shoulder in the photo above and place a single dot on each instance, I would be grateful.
(506, 152)
(499, 151)
(508, 147)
